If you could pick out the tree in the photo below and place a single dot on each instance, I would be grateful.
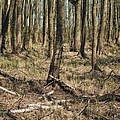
(83, 29)
(50, 25)
(44, 18)
(94, 40)
(25, 24)
(58, 46)
(77, 27)
(31, 25)
(36, 21)
(110, 22)
(19, 31)
(102, 27)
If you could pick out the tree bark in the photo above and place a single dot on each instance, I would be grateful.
(44, 18)
(58, 46)
(19, 36)
(94, 40)
(102, 28)
(36, 21)
(50, 26)
(31, 26)
(83, 30)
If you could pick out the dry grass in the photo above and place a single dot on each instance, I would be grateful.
(27, 74)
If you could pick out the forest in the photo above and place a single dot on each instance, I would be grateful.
(59, 59)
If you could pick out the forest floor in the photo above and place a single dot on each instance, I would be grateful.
(25, 96)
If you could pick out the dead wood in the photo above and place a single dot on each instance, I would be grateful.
(8, 91)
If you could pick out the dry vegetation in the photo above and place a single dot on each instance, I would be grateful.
(90, 98)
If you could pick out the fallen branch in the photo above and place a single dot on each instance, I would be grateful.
(48, 103)
(58, 80)
(8, 91)
(29, 109)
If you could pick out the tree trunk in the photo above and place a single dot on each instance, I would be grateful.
(83, 30)
(13, 31)
(102, 28)
(6, 13)
(50, 25)
(58, 48)
(77, 33)
(19, 37)
(44, 18)
(94, 40)
(36, 21)
(30, 25)
(25, 25)
(110, 22)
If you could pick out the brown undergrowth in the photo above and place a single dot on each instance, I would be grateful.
(77, 95)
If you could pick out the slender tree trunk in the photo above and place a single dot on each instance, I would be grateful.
(36, 21)
(39, 19)
(19, 36)
(102, 28)
(50, 25)
(58, 48)
(13, 31)
(94, 40)
(25, 25)
(83, 30)
(77, 33)
(6, 13)
(73, 24)
(9, 32)
(110, 22)
(1, 7)
(31, 26)
(44, 18)
(70, 25)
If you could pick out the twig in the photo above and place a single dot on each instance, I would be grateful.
(47, 94)
(8, 91)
